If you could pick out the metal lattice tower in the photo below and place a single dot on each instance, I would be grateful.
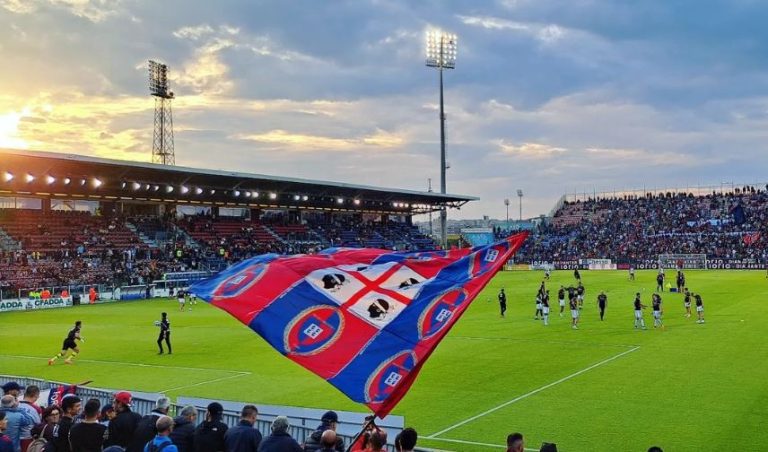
(162, 141)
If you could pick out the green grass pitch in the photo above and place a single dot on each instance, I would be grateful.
(604, 387)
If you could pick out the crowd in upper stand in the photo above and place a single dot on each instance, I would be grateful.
(633, 228)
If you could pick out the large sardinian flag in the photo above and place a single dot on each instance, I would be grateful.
(365, 320)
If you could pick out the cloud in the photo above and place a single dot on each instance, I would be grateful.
(531, 150)
(310, 143)
(546, 33)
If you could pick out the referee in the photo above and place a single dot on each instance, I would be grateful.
(165, 333)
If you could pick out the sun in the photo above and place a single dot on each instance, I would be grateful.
(9, 131)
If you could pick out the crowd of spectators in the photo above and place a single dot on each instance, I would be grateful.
(633, 228)
(76, 425)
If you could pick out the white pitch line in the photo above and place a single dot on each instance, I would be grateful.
(229, 377)
(156, 366)
(535, 391)
(475, 443)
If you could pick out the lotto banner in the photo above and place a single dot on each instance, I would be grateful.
(365, 320)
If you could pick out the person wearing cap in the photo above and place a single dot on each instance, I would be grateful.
(70, 408)
(146, 430)
(244, 437)
(280, 440)
(122, 427)
(12, 388)
(329, 421)
(162, 441)
(6, 445)
(29, 406)
(184, 429)
(209, 435)
(16, 418)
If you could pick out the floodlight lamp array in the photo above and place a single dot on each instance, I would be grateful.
(441, 49)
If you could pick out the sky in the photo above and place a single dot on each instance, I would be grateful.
(550, 97)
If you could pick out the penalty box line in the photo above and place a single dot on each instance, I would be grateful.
(535, 391)
(121, 363)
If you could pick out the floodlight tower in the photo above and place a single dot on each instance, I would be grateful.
(520, 195)
(441, 54)
(162, 142)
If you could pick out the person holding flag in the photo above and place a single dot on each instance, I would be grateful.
(70, 343)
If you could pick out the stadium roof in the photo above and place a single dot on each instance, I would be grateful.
(69, 176)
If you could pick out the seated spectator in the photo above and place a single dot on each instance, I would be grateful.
(279, 440)
(244, 437)
(162, 441)
(184, 429)
(209, 435)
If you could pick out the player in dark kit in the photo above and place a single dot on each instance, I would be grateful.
(657, 311)
(639, 306)
(539, 297)
(545, 308)
(660, 282)
(699, 308)
(580, 294)
(561, 299)
(69, 344)
(165, 333)
(576, 274)
(680, 280)
(502, 302)
(687, 303)
(602, 299)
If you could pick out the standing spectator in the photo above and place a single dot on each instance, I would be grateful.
(405, 441)
(146, 429)
(328, 441)
(107, 414)
(329, 421)
(209, 435)
(378, 441)
(51, 416)
(515, 442)
(244, 437)
(70, 407)
(164, 426)
(279, 440)
(16, 419)
(30, 408)
(12, 388)
(122, 427)
(88, 435)
(6, 445)
(184, 429)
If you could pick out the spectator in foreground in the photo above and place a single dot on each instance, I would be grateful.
(279, 440)
(329, 421)
(164, 425)
(328, 441)
(70, 408)
(209, 435)
(378, 441)
(147, 426)
(29, 407)
(16, 420)
(548, 447)
(107, 414)
(88, 435)
(244, 437)
(44, 430)
(655, 449)
(515, 442)
(405, 441)
(122, 427)
(184, 429)
(12, 388)
(6, 445)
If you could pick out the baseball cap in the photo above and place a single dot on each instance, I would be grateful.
(123, 397)
(11, 386)
(330, 416)
(215, 408)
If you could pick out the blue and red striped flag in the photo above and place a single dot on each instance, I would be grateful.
(365, 320)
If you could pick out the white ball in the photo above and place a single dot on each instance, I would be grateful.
(157, 323)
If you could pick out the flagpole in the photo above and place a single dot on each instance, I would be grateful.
(366, 426)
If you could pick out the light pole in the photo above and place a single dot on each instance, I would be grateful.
(520, 195)
(506, 203)
(441, 54)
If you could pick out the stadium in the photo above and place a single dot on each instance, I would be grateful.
(259, 309)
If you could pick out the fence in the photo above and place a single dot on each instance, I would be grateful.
(144, 403)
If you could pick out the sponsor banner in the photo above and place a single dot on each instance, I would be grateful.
(735, 264)
(26, 305)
